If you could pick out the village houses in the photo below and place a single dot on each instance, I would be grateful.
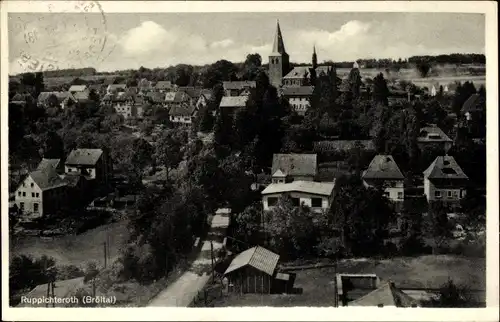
(229, 105)
(444, 180)
(384, 172)
(237, 88)
(299, 98)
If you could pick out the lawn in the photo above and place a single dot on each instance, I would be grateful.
(418, 272)
(75, 249)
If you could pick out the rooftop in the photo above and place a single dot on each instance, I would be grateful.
(474, 103)
(182, 110)
(233, 101)
(385, 295)
(298, 91)
(432, 133)
(47, 178)
(239, 84)
(84, 156)
(77, 88)
(383, 167)
(316, 188)
(257, 257)
(444, 167)
(48, 163)
(295, 164)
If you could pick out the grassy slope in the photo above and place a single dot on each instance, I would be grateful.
(75, 249)
(419, 272)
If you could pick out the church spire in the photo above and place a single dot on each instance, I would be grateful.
(314, 58)
(278, 46)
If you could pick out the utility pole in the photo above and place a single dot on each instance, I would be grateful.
(105, 254)
(212, 258)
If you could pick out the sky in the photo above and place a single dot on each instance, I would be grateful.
(118, 41)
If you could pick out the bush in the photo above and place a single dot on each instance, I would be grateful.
(66, 272)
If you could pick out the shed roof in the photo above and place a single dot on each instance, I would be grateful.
(316, 188)
(444, 167)
(257, 257)
(295, 164)
(233, 101)
(84, 156)
(383, 167)
(385, 295)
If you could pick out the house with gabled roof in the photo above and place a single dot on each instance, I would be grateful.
(316, 195)
(229, 105)
(178, 98)
(182, 114)
(235, 88)
(116, 88)
(55, 99)
(164, 86)
(290, 167)
(383, 172)
(445, 180)
(432, 135)
(78, 88)
(473, 105)
(93, 164)
(41, 193)
(54, 163)
(252, 271)
(298, 97)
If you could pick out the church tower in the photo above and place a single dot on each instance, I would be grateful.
(279, 61)
(314, 58)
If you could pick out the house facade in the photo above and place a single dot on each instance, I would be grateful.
(316, 195)
(444, 180)
(182, 114)
(229, 105)
(93, 164)
(290, 167)
(43, 192)
(298, 98)
(384, 172)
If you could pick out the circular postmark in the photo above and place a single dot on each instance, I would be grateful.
(69, 35)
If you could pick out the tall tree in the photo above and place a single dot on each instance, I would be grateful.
(380, 91)
(168, 150)
(437, 225)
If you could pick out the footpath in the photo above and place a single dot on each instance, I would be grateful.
(183, 291)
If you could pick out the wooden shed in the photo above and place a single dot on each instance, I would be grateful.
(252, 271)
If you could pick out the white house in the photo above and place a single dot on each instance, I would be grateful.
(444, 180)
(316, 195)
(41, 193)
(298, 98)
(384, 172)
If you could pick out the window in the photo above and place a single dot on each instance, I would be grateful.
(32, 195)
(449, 193)
(295, 202)
(35, 207)
(37, 195)
(272, 201)
(21, 206)
(400, 195)
(69, 169)
(32, 185)
(437, 194)
(24, 194)
(316, 202)
(24, 184)
(19, 193)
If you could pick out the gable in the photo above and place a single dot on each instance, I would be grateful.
(27, 185)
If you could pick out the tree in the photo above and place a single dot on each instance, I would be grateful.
(437, 225)
(251, 66)
(218, 72)
(16, 126)
(380, 91)
(423, 68)
(362, 215)
(249, 225)
(52, 146)
(206, 120)
(290, 228)
(168, 150)
(452, 295)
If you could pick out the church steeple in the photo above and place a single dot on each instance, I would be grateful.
(279, 61)
(314, 58)
(278, 46)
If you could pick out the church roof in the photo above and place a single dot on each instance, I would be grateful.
(278, 46)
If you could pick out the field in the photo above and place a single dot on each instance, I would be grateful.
(75, 249)
(419, 272)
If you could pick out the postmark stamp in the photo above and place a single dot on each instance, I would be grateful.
(61, 39)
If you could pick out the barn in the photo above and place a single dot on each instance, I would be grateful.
(252, 271)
